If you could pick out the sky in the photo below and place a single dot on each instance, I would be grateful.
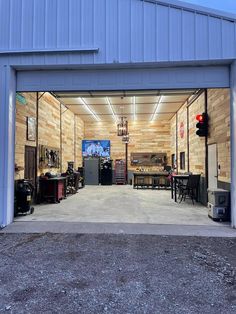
(223, 5)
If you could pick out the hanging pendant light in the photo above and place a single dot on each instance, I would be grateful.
(122, 127)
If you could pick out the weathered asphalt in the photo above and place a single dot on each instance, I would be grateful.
(89, 273)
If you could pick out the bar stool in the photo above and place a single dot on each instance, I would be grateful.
(155, 182)
(140, 182)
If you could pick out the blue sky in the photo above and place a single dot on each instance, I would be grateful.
(223, 5)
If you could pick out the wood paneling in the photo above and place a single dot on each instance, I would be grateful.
(49, 130)
(144, 137)
(219, 129)
(197, 149)
(219, 132)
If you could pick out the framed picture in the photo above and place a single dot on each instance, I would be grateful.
(31, 129)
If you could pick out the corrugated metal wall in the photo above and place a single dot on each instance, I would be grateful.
(125, 31)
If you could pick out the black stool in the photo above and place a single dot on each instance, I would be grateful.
(140, 182)
(155, 182)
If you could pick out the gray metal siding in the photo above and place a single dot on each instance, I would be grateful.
(125, 31)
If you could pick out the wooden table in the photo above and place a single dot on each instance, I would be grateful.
(174, 179)
(148, 175)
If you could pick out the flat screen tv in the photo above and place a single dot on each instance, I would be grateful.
(96, 148)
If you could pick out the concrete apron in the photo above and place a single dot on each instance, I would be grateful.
(119, 228)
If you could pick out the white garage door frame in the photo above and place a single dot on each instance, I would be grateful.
(99, 79)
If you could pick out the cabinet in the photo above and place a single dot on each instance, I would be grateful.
(53, 189)
(106, 173)
(91, 171)
(120, 171)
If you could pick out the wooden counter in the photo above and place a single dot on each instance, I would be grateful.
(147, 179)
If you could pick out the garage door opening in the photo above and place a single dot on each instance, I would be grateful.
(68, 147)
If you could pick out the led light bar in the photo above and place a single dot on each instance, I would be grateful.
(155, 112)
(111, 108)
(90, 110)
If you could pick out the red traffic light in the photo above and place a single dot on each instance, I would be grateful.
(202, 125)
(199, 117)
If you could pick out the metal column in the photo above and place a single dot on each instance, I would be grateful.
(233, 141)
(7, 143)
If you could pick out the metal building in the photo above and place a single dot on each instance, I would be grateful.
(71, 45)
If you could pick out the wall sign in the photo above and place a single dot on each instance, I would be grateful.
(181, 130)
(31, 129)
(148, 159)
(21, 99)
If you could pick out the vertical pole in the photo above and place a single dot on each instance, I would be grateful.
(7, 143)
(233, 141)
(75, 142)
(126, 162)
(206, 139)
(188, 146)
(176, 143)
(60, 138)
(37, 145)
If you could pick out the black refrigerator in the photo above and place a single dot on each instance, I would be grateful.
(106, 172)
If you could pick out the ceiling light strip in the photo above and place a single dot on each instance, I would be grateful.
(111, 108)
(90, 110)
(155, 112)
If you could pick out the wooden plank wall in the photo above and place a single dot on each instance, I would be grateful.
(49, 130)
(145, 136)
(219, 133)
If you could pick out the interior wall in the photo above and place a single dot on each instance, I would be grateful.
(49, 124)
(182, 130)
(197, 148)
(219, 129)
(22, 112)
(54, 131)
(218, 101)
(79, 135)
(145, 137)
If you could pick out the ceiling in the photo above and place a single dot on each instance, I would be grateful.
(135, 105)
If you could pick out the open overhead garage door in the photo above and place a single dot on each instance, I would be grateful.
(123, 79)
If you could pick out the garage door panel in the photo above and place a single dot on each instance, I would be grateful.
(123, 79)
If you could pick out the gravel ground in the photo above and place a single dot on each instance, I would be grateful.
(76, 273)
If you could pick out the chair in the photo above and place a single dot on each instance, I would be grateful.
(190, 189)
(181, 183)
(155, 182)
(140, 181)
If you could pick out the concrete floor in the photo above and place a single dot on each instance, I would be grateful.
(122, 204)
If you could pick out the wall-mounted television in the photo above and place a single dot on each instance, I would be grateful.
(96, 148)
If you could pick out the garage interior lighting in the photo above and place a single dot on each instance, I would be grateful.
(111, 108)
(155, 112)
(89, 110)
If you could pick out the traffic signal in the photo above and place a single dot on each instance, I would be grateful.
(202, 125)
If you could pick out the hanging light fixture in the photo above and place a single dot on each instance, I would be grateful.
(122, 127)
